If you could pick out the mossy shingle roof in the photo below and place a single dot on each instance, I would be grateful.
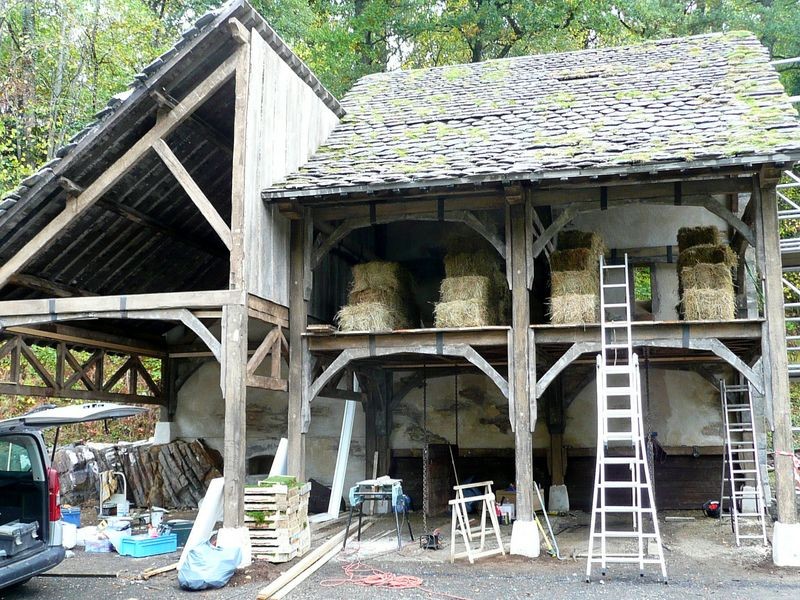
(681, 100)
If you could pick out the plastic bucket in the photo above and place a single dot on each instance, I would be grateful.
(69, 536)
(123, 508)
(71, 515)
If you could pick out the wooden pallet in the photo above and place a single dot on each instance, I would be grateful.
(282, 532)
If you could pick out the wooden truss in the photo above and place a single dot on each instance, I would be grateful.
(273, 347)
(76, 375)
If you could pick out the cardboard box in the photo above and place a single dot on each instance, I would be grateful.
(506, 497)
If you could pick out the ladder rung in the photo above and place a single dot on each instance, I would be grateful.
(617, 346)
(744, 471)
(632, 558)
(751, 537)
(616, 305)
(741, 430)
(623, 534)
(737, 388)
(618, 391)
(620, 413)
(619, 436)
(623, 485)
(621, 460)
(615, 285)
(623, 509)
(618, 369)
(606, 266)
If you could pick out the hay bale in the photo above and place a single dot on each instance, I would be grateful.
(708, 305)
(371, 295)
(707, 253)
(574, 282)
(369, 316)
(469, 287)
(573, 309)
(458, 243)
(576, 259)
(380, 275)
(697, 236)
(464, 264)
(707, 276)
(462, 313)
(574, 239)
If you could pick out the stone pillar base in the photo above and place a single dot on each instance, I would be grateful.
(786, 544)
(164, 433)
(525, 539)
(558, 499)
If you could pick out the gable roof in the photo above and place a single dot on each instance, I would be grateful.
(144, 234)
(189, 53)
(599, 111)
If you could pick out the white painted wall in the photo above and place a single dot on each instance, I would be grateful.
(683, 408)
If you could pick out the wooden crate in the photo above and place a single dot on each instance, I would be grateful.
(283, 533)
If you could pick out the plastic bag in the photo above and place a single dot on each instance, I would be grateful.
(208, 567)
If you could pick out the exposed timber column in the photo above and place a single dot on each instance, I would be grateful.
(234, 330)
(524, 537)
(786, 531)
(298, 315)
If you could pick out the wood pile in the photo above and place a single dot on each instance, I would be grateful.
(174, 475)
(575, 278)
(704, 271)
(276, 514)
(380, 299)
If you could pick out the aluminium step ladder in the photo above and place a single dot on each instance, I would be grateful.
(740, 468)
(624, 521)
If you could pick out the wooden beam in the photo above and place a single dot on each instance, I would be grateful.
(298, 320)
(264, 348)
(59, 290)
(239, 32)
(194, 192)
(85, 337)
(562, 363)
(115, 172)
(775, 361)
(267, 383)
(524, 418)
(547, 236)
(64, 306)
(11, 389)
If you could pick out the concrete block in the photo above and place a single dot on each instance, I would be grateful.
(525, 539)
(558, 501)
(164, 433)
(786, 544)
(236, 537)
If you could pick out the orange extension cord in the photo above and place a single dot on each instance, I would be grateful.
(358, 573)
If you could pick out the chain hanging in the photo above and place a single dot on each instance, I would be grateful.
(425, 449)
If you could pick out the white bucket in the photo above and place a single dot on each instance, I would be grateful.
(156, 516)
(69, 535)
(123, 508)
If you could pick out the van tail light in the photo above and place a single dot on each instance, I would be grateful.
(54, 489)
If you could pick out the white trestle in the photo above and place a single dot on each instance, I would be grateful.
(624, 520)
(740, 469)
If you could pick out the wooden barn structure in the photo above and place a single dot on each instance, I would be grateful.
(214, 210)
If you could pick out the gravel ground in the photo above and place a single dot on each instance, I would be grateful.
(702, 562)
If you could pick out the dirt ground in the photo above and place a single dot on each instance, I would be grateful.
(702, 562)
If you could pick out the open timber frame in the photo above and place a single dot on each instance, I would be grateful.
(255, 320)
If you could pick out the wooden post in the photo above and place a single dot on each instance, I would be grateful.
(298, 315)
(555, 425)
(234, 320)
(518, 379)
(773, 344)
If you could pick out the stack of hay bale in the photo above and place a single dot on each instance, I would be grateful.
(380, 299)
(474, 291)
(575, 278)
(704, 269)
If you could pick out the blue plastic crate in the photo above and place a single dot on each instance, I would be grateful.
(71, 515)
(143, 545)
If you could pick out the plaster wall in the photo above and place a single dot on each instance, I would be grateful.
(682, 407)
(482, 415)
(644, 226)
(200, 413)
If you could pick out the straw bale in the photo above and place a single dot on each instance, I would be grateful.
(469, 287)
(576, 259)
(707, 276)
(458, 243)
(573, 309)
(463, 264)
(462, 313)
(370, 295)
(697, 236)
(708, 305)
(574, 282)
(574, 239)
(707, 253)
(370, 316)
(380, 275)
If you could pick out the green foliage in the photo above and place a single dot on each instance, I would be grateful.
(642, 284)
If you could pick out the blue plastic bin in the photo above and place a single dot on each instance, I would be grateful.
(71, 515)
(139, 546)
